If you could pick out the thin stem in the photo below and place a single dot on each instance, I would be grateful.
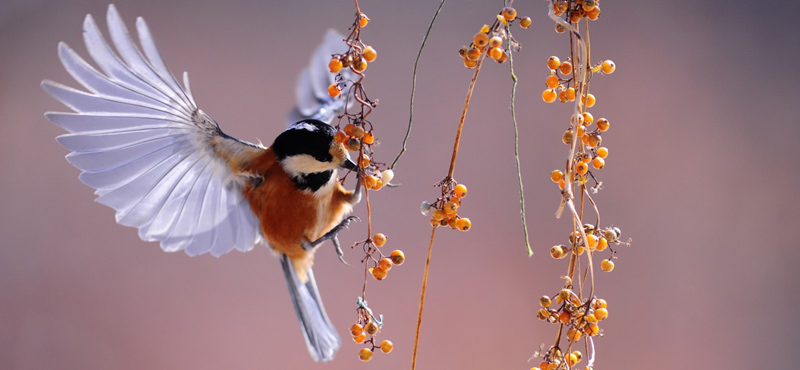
(422, 300)
(414, 85)
(464, 116)
(516, 147)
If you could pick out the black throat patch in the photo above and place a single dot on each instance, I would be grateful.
(312, 181)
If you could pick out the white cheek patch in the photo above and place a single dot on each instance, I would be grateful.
(303, 126)
(300, 164)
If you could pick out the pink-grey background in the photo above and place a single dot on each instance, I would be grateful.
(702, 175)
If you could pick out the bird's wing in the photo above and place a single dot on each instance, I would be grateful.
(311, 91)
(153, 156)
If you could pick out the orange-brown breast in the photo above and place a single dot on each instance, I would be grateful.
(290, 216)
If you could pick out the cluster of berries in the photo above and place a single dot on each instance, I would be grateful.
(490, 39)
(357, 57)
(597, 240)
(444, 211)
(580, 317)
(560, 80)
(381, 263)
(360, 333)
(576, 10)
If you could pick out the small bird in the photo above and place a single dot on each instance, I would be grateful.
(168, 170)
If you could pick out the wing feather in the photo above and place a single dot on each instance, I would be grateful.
(151, 154)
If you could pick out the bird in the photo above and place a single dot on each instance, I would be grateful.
(167, 168)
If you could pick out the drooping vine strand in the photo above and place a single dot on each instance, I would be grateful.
(577, 315)
(357, 135)
(494, 42)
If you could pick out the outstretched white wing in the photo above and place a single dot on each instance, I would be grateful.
(139, 139)
(311, 91)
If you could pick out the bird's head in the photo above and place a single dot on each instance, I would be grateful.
(307, 147)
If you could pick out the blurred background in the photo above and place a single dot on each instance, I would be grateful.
(701, 175)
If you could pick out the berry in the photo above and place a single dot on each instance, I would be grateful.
(560, 28)
(591, 241)
(573, 335)
(397, 257)
(348, 129)
(371, 328)
(460, 190)
(581, 168)
(495, 41)
(552, 82)
(549, 96)
(359, 65)
(565, 68)
(598, 163)
(358, 132)
(496, 53)
(438, 215)
(602, 152)
(386, 346)
(592, 329)
(340, 137)
(602, 244)
(570, 94)
(370, 181)
(370, 54)
(509, 13)
(603, 124)
(463, 224)
(365, 354)
(368, 138)
(480, 40)
(609, 67)
(556, 175)
(545, 301)
(353, 144)
(385, 263)
(563, 317)
(594, 13)
(571, 359)
(379, 240)
(600, 303)
(474, 53)
(363, 20)
(563, 96)
(607, 265)
(558, 251)
(470, 63)
(379, 274)
(553, 62)
(601, 313)
(360, 338)
(567, 137)
(589, 100)
(594, 140)
(333, 90)
(588, 118)
(503, 58)
(525, 22)
(451, 208)
(356, 330)
(335, 65)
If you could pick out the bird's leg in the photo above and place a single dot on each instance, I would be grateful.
(330, 235)
(339, 252)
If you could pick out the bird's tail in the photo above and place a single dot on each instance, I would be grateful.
(321, 337)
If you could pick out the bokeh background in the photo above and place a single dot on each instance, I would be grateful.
(702, 176)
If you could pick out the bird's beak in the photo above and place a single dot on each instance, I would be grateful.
(349, 164)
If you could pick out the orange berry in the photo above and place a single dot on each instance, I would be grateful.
(335, 65)
(558, 251)
(363, 20)
(368, 138)
(565, 68)
(470, 63)
(552, 82)
(460, 190)
(603, 124)
(452, 222)
(588, 5)
(348, 129)
(385, 263)
(607, 265)
(434, 222)
(495, 41)
(592, 329)
(549, 96)
(600, 303)
(397, 257)
(503, 58)
(573, 335)
(567, 137)
(473, 54)
(602, 152)
(379, 240)
(333, 90)
(591, 241)
(571, 359)
(591, 318)
(594, 140)
(589, 100)
(358, 132)
(553, 62)
(379, 274)
(370, 181)
(598, 163)
(386, 346)
(585, 157)
(601, 313)
(356, 330)
(371, 328)
(365, 354)
(378, 185)
(451, 208)
(463, 224)
(563, 96)
(509, 13)
(581, 131)
(570, 94)
(340, 137)
(353, 144)
(556, 175)
(370, 54)
(581, 168)
(438, 214)
(609, 67)
(525, 22)
(496, 53)
(560, 28)
(575, 17)
(594, 13)
(563, 317)
(545, 301)
(602, 244)
(359, 65)
(588, 118)
(480, 40)
(360, 338)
